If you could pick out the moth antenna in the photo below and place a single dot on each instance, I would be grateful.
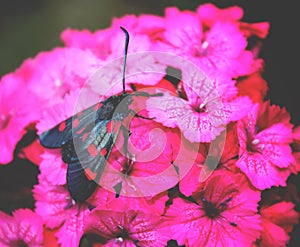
(125, 56)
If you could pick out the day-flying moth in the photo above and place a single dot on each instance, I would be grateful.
(87, 138)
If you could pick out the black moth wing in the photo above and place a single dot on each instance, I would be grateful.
(87, 156)
(70, 128)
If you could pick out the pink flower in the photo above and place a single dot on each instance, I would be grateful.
(84, 39)
(127, 228)
(54, 167)
(222, 47)
(265, 135)
(99, 42)
(222, 213)
(277, 223)
(24, 228)
(208, 106)
(53, 74)
(55, 206)
(15, 115)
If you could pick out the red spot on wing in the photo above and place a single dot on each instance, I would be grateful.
(79, 113)
(109, 126)
(103, 151)
(75, 122)
(90, 174)
(62, 126)
(97, 106)
(92, 149)
(84, 136)
(80, 131)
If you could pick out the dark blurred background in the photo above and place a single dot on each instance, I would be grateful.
(28, 27)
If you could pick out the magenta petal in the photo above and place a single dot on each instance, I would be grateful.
(274, 143)
(51, 202)
(188, 27)
(54, 167)
(73, 228)
(261, 172)
(8, 229)
(24, 227)
(141, 228)
(30, 227)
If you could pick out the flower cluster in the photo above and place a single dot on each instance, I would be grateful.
(207, 157)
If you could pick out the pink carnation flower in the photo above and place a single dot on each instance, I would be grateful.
(207, 107)
(223, 213)
(265, 135)
(222, 47)
(53, 74)
(15, 115)
(129, 228)
(23, 228)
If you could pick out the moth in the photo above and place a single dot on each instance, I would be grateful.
(87, 138)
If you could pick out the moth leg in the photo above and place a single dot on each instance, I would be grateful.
(140, 116)
(143, 117)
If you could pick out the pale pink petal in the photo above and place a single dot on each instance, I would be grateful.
(172, 111)
(167, 109)
(236, 109)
